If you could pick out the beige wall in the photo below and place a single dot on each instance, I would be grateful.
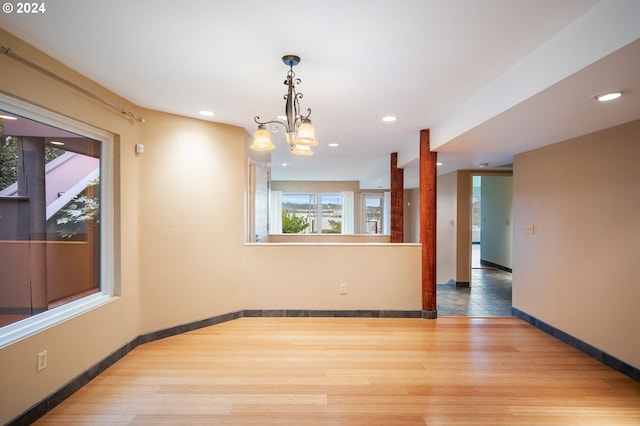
(464, 188)
(191, 199)
(496, 227)
(180, 253)
(411, 211)
(315, 186)
(308, 276)
(578, 271)
(446, 222)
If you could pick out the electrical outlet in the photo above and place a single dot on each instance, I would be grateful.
(343, 288)
(42, 360)
(529, 229)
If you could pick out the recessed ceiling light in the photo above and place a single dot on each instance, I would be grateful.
(56, 143)
(610, 96)
(7, 117)
(483, 165)
(389, 118)
(439, 163)
(206, 113)
(284, 164)
(333, 145)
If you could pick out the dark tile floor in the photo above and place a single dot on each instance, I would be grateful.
(489, 295)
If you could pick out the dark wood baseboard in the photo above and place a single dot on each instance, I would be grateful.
(600, 355)
(495, 265)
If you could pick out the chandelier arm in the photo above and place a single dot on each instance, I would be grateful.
(274, 121)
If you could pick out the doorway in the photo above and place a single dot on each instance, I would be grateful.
(480, 287)
(491, 244)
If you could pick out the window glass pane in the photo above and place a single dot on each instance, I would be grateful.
(299, 213)
(312, 213)
(49, 217)
(331, 211)
(372, 213)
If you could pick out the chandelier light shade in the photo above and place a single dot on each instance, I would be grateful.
(306, 134)
(299, 132)
(301, 150)
(262, 140)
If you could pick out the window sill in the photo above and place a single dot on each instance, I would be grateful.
(289, 243)
(329, 238)
(27, 327)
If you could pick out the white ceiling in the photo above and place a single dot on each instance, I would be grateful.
(490, 78)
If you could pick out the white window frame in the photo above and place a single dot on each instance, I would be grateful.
(318, 196)
(384, 209)
(36, 323)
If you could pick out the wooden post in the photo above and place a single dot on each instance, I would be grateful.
(428, 176)
(397, 191)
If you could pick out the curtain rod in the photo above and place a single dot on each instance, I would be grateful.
(7, 51)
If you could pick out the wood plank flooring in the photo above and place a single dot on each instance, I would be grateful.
(356, 371)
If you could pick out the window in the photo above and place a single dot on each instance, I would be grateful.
(55, 225)
(373, 213)
(311, 213)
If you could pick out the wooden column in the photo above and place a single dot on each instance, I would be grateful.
(428, 224)
(397, 211)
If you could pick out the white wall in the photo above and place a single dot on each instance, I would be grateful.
(579, 270)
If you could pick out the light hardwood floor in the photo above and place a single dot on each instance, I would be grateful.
(356, 371)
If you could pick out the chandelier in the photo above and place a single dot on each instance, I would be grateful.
(299, 132)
